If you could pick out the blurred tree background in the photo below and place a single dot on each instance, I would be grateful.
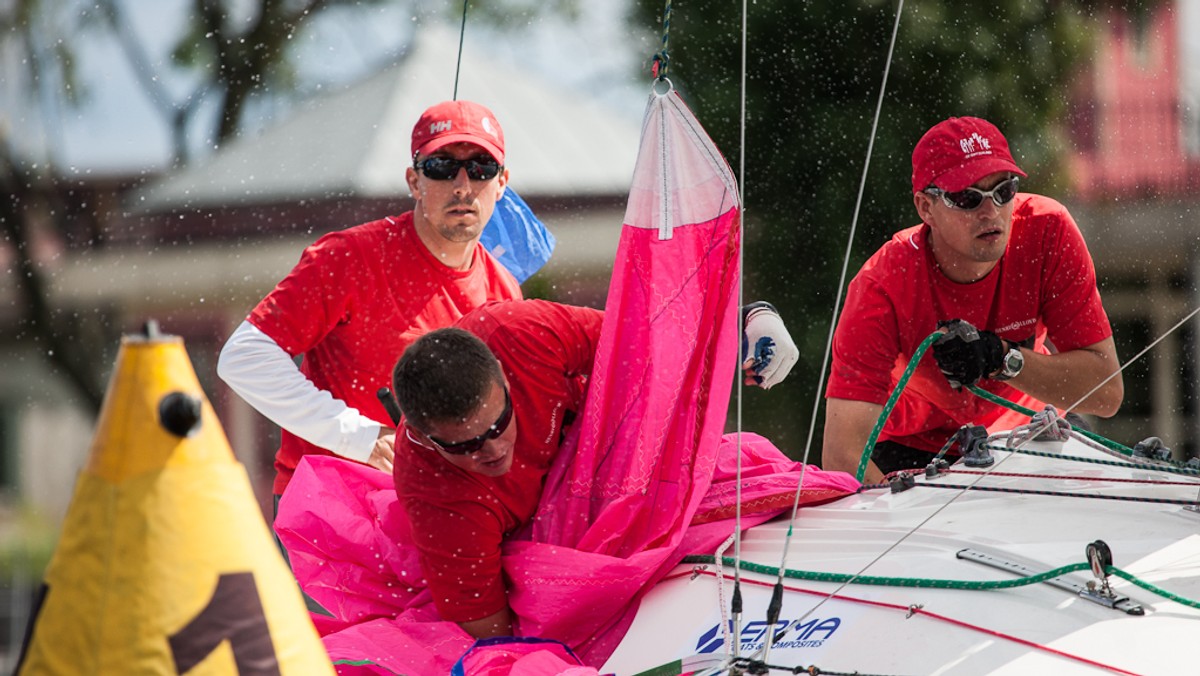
(231, 56)
(814, 71)
(813, 78)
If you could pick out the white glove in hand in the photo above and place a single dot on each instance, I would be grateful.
(768, 351)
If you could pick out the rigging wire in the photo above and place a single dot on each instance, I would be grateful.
(659, 67)
(462, 33)
(862, 185)
(836, 306)
(734, 645)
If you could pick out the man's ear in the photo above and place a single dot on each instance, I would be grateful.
(924, 204)
(413, 180)
(503, 184)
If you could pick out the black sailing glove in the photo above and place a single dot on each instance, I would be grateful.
(966, 354)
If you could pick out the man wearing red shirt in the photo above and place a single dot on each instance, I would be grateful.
(485, 407)
(1010, 268)
(358, 297)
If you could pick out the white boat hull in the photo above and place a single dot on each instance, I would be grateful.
(1033, 629)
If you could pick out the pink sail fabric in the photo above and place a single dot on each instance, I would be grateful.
(588, 599)
(643, 479)
(343, 530)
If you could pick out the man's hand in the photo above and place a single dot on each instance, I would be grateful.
(768, 351)
(384, 450)
(966, 354)
(496, 624)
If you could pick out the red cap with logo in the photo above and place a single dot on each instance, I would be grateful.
(957, 152)
(458, 122)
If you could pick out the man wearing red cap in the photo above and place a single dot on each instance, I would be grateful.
(1007, 275)
(359, 296)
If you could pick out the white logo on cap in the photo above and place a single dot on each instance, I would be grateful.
(486, 123)
(437, 127)
(975, 145)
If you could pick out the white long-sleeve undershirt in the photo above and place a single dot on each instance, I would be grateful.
(264, 375)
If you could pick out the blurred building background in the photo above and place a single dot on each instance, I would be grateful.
(1134, 126)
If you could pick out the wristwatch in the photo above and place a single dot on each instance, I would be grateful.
(1013, 362)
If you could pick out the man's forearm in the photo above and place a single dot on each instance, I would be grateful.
(265, 376)
(1067, 379)
(848, 425)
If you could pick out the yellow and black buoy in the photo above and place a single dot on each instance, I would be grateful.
(165, 564)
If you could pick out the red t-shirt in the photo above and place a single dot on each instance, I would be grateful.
(359, 297)
(1043, 287)
(459, 518)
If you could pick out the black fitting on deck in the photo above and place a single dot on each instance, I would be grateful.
(901, 482)
(1152, 448)
(972, 443)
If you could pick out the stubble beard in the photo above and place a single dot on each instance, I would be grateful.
(460, 228)
(459, 233)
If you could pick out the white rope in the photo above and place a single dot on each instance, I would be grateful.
(725, 626)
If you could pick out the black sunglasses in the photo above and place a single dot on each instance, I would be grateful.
(493, 432)
(970, 199)
(440, 168)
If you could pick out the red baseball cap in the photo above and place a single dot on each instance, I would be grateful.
(458, 122)
(959, 151)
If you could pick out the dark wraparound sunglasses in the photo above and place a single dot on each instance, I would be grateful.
(492, 432)
(438, 168)
(971, 198)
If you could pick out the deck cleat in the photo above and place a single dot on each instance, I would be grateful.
(972, 443)
(901, 482)
(1152, 448)
(935, 468)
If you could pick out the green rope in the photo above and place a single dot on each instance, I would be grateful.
(996, 399)
(661, 59)
(932, 583)
(1151, 588)
(891, 403)
(845, 578)
(1169, 466)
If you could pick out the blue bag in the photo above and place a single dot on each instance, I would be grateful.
(516, 238)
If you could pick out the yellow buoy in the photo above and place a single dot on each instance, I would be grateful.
(165, 564)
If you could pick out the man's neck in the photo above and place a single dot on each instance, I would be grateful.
(454, 255)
